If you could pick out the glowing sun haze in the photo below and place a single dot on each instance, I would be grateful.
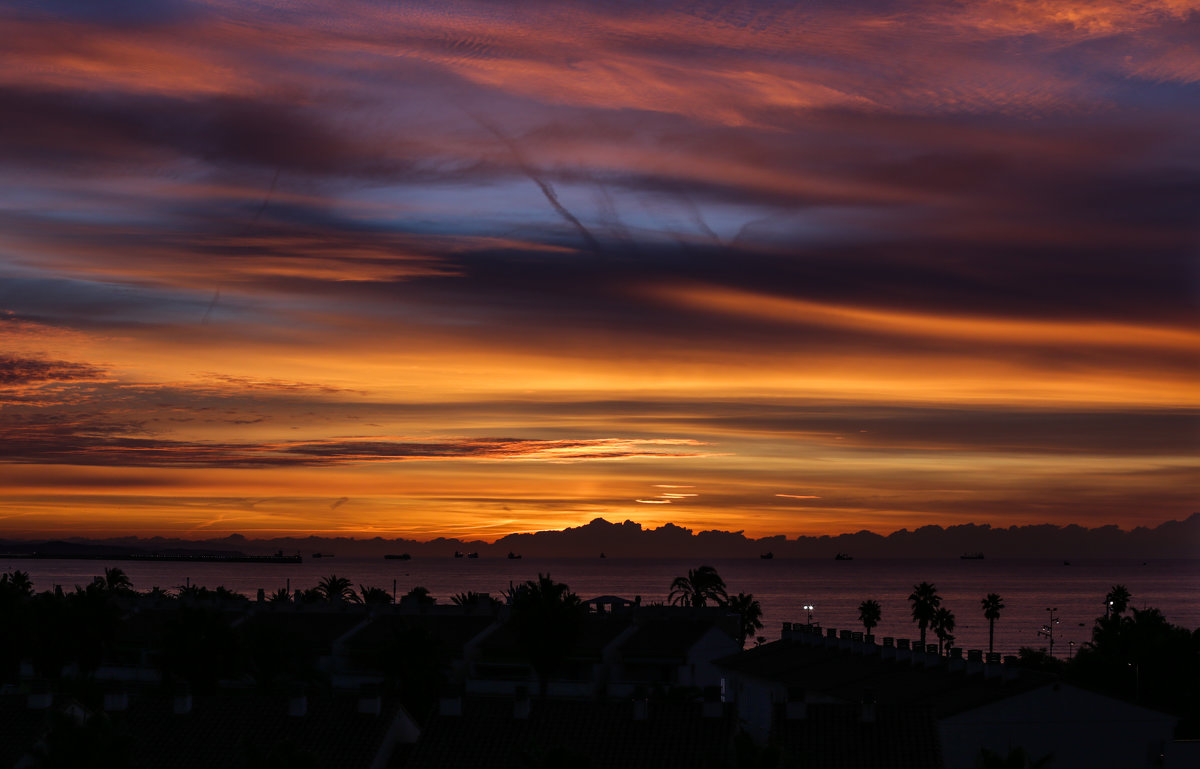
(420, 269)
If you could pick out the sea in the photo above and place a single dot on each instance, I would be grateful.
(1039, 595)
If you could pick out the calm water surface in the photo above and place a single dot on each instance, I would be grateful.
(782, 586)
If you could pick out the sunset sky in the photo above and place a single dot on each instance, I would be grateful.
(464, 269)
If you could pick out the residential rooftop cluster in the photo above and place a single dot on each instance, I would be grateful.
(108, 677)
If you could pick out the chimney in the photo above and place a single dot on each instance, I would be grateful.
(1012, 671)
(796, 709)
(903, 652)
(888, 650)
(116, 701)
(298, 703)
(974, 661)
(866, 711)
(831, 637)
(450, 706)
(521, 703)
(40, 697)
(956, 662)
(262, 596)
(713, 707)
(370, 702)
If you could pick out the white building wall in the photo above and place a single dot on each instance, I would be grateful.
(699, 670)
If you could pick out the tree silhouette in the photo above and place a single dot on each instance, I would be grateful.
(374, 596)
(698, 588)
(943, 627)
(869, 613)
(336, 589)
(548, 618)
(1118, 599)
(750, 613)
(925, 601)
(16, 595)
(471, 600)
(50, 647)
(1146, 659)
(274, 654)
(419, 595)
(200, 646)
(117, 581)
(992, 606)
(17, 582)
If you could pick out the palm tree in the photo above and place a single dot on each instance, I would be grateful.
(1118, 599)
(943, 626)
(925, 602)
(744, 605)
(418, 595)
(473, 600)
(992, 606)
(698, 588)
(869, 613)
(116, 580)
(334, 588)
(548, 618)
(374, 596)
(18, 582)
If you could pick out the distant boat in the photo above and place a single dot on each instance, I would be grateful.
(322, 555)
(767, 555)
(472, 555)
(972, 556)
(843, 557)
(458, 554)
(1068, 563)
(602, 555)
(511, 556)
(398, 557)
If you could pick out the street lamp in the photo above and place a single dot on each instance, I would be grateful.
(1047, 630)
(809, 608)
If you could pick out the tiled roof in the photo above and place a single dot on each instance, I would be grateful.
(222, 730)
(839, 673)
(674, 734)
(20, 727)
(834, 736)
(596, 632)
(453, 632)
(316, 629)
(664, 639)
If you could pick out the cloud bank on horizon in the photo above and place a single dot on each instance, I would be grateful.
(372, 267)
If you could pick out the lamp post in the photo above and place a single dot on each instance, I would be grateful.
(1047, 630)
(809, 608)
